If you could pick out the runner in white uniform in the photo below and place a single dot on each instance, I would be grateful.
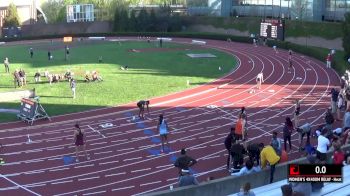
(259, 80)
(163, 131)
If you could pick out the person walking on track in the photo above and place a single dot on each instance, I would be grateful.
(287, 133)
(184, 161)
(163, 131)
(141, 105)
(80, 142)
(228, 144)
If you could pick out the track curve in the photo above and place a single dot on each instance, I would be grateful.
(128, 162)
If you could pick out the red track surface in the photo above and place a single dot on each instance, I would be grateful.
(123, 163)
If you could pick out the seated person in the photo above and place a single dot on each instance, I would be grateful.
(87, 77)
(247, 169)
(68, 75)
(37, 76)
(55, 78)
(95, 76)
(124, 68)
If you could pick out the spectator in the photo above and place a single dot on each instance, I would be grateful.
(100, 59)
(347, 158)
(334, 99)
(316, 186)
(16, 78)
(187, 179)
(302, 130)
(268, 155)
(184, 161)
(247, 169)
(22, 76)
(340, 104)
(338, 154)
(346, 136)
(228, 144)
(287, 133)
(322, 146)
(245, 190)
(49, 56)
(96, 77)
(276, 144)
(254, 152)
(287, 190)
(329, 119)
(87, 77)
(237, 152)
(37, 76)
(346, 118)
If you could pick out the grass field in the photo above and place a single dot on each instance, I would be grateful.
(151, 73)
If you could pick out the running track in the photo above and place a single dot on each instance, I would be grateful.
(125, 157)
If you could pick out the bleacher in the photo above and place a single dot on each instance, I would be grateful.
(329, 189)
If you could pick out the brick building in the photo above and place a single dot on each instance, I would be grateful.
(27, 10)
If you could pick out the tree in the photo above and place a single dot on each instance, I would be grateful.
(12, 18)
(132, 22)
(142, 20)
(53, 10)
(346, 35)
(299, 8)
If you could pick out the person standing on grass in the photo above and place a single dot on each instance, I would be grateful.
(268, 155)
(184, 161)
(163, 131)
(7, 65)
(31, 52)
(49, 56)
(73, 86)
(141, 105)
(296, 113)
(80, 142)
(259, 80)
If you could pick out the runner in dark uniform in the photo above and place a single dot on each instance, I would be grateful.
(79, 141)
(141, 105)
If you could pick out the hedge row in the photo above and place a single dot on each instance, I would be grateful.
(319, 53)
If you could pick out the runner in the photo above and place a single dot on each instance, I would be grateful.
(243, 115)
(240, 126)
(163, 131)
(141, 105)
(275, 49)
(290, 67)
(290, 54)
(259, 80)
(296, 113)
(80, 142)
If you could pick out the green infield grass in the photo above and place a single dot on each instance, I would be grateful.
(153, 71)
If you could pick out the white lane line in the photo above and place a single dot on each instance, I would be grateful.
(54, 140)
(76, 167)
(55, 148)
(177, 132)
(125, 149)
(36, 185)
(206, 136)
(33, 161)
(15, 163)
(168, 165)
(30, 151)
(172, 179)
(149, 183)
(52, 159)
(83, 179)
(97, 143)
(219, 144)
(62, 182)
(97, 131)
(221, 134)
(94, 193)
(53, 170)
(13, 153)
(13, 182)
(34, 172)
(186, 123)
(122, 188)
(148, 146)
(189, 139)
(139, 170)
(116, 174)
(104, 163)
(210, 157)
(196, 129)
(103, 152)
(133, 159)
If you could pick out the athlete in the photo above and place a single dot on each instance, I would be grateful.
(79, 141)
(163, 131)
(141, 105)
(259, 80)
